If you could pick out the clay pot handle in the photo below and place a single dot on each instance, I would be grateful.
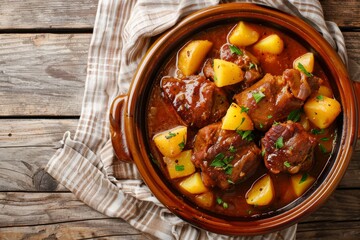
(357, 96)
(117, 128)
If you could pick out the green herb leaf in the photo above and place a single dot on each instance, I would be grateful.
(218, 161)
(225, 205)
(170, 135)
(276, 123)
(181, 145)
(320, 97)
(232, 149)
(236, 50)
(324, 139)
(294, 115)
(219, 200)
(244, 109)
(302, 68)
(287, 164)
(260, 125)
(279, 143)
(263, 152)
(228, 170)
(317, 131)
(258, 96)
(179, 168)
(247, 135)
(251, 65)
(154, 160)
(269, 116)
(229, 181)
(322, 148)
(303, 178)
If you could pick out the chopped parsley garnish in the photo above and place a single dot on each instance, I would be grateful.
(287, 164)
(294, 115)
(221, 202)
(320, 97)
(179, 168)
(236, 50)
(303, 178)
(260, 125)
(244, 109)
(181, 145)
(324, 139)
(302, 68)
(232, 149)
(258, 96)
(317, 131)
(154, 160)
(247, 135)
(229, 181)
(263, 152)
(269, 116)
(223, 162)
(322, 148)
(251, 65)
(279, 143)
(276, 123)
(170, 135)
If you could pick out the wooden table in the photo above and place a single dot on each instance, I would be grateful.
(43, 55)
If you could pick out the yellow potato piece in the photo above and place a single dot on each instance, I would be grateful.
(307, 60)
(180, 165)
(271, 44)
(226, 73)
(171, 142)
(192, 55)
(322, 110)
(236, 119)
(205, 199)
(325, 91)
(193, 184)
(243, 35)
(301, 183)
(261, 192)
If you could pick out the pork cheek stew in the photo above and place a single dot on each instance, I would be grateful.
(242, 120)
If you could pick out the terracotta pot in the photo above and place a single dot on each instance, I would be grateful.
(127, 118)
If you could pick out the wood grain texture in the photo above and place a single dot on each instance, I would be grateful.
(328, 230)
(344, 13)
(30, 14)
(45, 73)
(83, 229)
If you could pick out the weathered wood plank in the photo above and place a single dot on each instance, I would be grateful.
(30, 14)
(45, 73)
(329, 230)
(345, 14)
(84, 229)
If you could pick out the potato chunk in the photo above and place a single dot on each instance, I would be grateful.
(171, 142)
(192, 55)
(322, 110)
(205, 199)
(261, 192)
(193, 184)
(243, 35)
(226, 73)
(325, 91)
(236, 118)
(271, 44)
(301, 182)
(180, 165)
(307, 60)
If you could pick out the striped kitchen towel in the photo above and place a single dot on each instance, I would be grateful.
(86, 164)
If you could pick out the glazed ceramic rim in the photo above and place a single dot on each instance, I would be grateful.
(136, 104)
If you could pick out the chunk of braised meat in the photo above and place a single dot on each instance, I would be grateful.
(244, 59)
(224, 157)
(274, 97)
(287, 147)
(197, 100)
